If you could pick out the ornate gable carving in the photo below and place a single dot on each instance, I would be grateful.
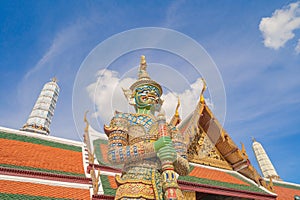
(203, 151)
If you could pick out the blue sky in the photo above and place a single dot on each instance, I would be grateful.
(253, 43)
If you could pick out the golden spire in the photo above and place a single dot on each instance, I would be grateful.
(143, 63)
(143, 74)
(54, 79)
(144, 78)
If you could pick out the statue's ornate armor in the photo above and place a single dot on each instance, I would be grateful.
(149, 149)
(131, 138)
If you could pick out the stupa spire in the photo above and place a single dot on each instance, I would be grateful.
(264, 161)
(40, 117)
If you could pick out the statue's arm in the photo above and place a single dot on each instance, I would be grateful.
(119, 150)
(181, 164)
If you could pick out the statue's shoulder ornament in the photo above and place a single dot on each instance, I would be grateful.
(118, 123)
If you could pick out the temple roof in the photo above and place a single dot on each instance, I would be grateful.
(223, 178)
(35, 166)
(42, 154)
(225, 153)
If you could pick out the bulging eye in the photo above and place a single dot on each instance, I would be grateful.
(145, 92)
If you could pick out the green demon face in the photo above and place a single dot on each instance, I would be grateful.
(146, 96)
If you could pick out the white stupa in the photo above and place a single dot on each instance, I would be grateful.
(264, 161)
(40, 117)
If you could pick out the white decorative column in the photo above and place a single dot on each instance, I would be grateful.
(40, 117)
(264, 161)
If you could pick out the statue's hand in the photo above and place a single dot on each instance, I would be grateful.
(167, 153)
(162, 142)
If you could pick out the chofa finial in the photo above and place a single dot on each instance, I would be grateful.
(202, 100)
(176, 118)
(177, 108)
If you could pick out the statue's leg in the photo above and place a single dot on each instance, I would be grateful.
(157, 184)
(139, 184)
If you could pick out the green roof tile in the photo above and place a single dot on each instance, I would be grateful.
(33, 140)
(108, 190)
(5, 196)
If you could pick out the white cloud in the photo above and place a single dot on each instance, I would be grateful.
(297, 48)
(107, 95)
(278, 29)
(188, 100)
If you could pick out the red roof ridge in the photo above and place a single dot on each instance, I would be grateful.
(43, 175)
(248, 194)
(104, 168)
(45, 182)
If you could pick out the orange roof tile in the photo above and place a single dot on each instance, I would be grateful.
(285, 193)
(27, 154)
(216, 175)
(104, 151)
(112, 182)
(34, 189)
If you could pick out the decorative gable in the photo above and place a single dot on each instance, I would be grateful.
(203, 151)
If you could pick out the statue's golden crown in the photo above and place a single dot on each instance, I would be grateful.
(144, 78)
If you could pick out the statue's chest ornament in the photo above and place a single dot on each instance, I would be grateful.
(142, 128)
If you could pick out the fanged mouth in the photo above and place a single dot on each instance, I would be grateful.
(149, 96)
